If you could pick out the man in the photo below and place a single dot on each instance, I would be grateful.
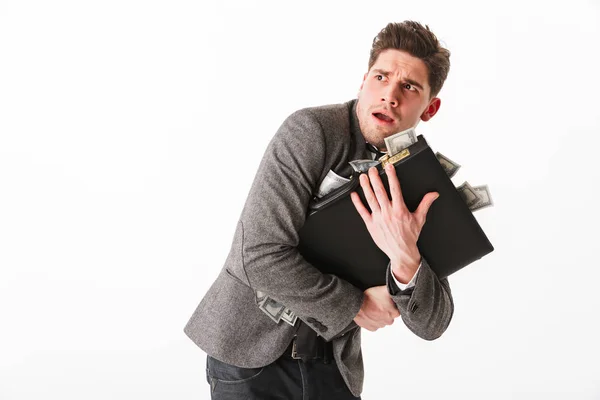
(249, 355)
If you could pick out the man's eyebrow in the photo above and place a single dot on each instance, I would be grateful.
(386, 73)
(380, 72)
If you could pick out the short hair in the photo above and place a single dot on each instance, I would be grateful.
(418, 41)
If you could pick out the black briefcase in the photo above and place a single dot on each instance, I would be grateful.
(334, 237)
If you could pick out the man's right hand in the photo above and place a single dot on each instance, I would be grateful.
(377, 310)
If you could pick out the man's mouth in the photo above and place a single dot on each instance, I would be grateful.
(383, 117)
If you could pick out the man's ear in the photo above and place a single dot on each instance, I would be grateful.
(363, 81)
(432, 109)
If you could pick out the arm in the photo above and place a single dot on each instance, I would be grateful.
(411, 283)
(274, 212)
(427, 308)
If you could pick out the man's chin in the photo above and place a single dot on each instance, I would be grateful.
(377, 141)
(376, 136)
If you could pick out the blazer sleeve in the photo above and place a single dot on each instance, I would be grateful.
(426, 308)
(273, 215)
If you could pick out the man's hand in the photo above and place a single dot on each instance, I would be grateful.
(377, 310)
(394, 229)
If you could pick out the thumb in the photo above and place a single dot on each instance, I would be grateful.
(426, 203)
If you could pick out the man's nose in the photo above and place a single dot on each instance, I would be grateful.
(391, 96)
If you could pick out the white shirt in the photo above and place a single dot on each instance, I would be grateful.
(411, 283)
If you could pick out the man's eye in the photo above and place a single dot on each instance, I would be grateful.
(379, 76)
(408, 86)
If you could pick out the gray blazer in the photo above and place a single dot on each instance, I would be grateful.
(229, 326)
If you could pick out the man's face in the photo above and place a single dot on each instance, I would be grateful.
(394, 96)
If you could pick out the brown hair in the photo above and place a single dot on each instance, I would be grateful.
(418, 41)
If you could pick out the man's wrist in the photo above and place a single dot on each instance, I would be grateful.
(404, 272)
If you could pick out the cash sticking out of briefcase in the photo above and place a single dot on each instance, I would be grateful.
(335, 239)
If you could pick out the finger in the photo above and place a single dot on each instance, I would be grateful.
(363, 324)
(423, 209)
(369, 195)
(369, 325)
(395, 191)
(360, 207)
(380, 193)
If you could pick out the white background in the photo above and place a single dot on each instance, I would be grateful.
(130, 132)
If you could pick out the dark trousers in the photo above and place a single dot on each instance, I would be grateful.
(284, 379)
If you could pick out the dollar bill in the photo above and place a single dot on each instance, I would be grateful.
(468, 194)
(449, 166)
(399, 141)
(272, 308)
(289, 317)
(485, 199)
(260, 297)
(331, 182)
(363, 165)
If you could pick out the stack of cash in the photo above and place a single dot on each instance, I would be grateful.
(274, 310)
(476, 197)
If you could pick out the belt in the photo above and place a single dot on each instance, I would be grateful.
(309, 350)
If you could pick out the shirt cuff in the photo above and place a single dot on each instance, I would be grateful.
(411, 283)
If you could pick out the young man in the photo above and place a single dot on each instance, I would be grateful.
(319, 357)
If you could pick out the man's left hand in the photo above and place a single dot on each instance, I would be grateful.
(394, 229)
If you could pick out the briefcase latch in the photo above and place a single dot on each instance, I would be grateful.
(385, 160)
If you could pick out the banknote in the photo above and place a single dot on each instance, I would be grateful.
(451, 167)
(363, 165)
(276, 311)
(289, 317)
(468, 194)
(272, 308)
(485, 198)
(260, 297)
(399, 141)
(331, 182)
